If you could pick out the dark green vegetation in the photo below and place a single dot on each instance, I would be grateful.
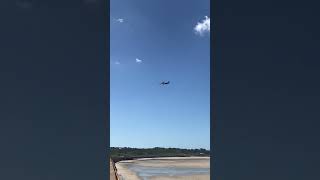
(126, 153)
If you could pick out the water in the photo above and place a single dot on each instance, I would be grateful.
(145, 172)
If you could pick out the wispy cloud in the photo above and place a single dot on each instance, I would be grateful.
(138, 60)
(117, 63)
(203, 27)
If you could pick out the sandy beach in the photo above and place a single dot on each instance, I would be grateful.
(124, 173)
(173, 168)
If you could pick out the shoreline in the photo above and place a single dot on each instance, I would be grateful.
(116, 160)
(126, 174)
(175, 157)
(173, 163)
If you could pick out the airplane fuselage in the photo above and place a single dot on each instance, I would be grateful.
(165, 83)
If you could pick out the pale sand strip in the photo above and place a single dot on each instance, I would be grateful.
(185, 162)
(169, 158)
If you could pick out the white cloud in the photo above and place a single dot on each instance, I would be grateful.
(203, 27)
(117, 63)
(120, 20)
(138, 60)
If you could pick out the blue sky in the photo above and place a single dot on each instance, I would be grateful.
(152, 41)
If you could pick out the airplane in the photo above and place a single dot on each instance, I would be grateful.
(165, 83)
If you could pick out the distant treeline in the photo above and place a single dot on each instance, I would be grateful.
(126, 153)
